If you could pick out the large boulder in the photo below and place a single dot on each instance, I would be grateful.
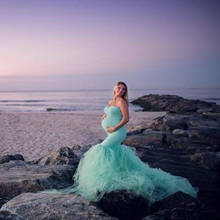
(17, 177)
(80, 150)
(180, 132)
(146, 138)
(184, 130)
(124, 204)
(63, 155)
(157, 216)
(7, 158)
(6, 215)
(172, 122)
(217, 162)
(210, 115)
(209, 160)
(53, 206)
(177, 206)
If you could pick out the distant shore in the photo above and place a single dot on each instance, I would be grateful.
(35, 134)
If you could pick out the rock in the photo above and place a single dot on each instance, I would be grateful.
(177, 199)
(80, 151)
(216, 162)
(194, 130)
(17, 177)
(138, 129)
(124, 204)
(154, 217)
(158, 123)
(179, 206)
(157, 134)
(54, 206)
(180, 132)
(198, 158)
(6, 215)
(145, 139)
(199, 121)
(208, 160)
(181, 214)
(3, 200)
(174, 103)
(170, 122)
(205, 135)
(177, 141)
(76, 147)
(173, 121)
(182, 206)
(135, 132)
(210, 115)
(7, 158)
(63, 155)
(137, 140)
(202, 110)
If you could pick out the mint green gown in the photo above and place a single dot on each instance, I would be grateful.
(111, 166)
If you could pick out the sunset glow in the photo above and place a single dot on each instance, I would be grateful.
(82, 38)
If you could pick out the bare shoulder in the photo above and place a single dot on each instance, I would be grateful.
(110, 102)
(121, 102)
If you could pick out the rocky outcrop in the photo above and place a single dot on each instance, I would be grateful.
(53, 206)
(183, 131)
(124, 204)
(17, 177)
(7, 158)
(146, 138)
(189, 146)
(63, 155)
(177, 206)
(80, 150)
(9, 216)
(174, 103)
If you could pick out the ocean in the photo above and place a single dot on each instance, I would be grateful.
(88, 100)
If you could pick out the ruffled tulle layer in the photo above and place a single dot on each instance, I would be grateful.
(104, 169)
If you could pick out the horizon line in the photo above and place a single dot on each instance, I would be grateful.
(75, 90)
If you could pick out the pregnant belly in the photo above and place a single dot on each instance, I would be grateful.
(116, 137)
(107, 122)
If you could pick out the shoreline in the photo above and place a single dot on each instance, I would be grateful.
(35, 134)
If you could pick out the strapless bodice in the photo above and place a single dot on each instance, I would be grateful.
(113, 116)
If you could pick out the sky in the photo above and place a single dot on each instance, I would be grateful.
(92, 44)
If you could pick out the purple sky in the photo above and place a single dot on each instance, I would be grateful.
(67, 44)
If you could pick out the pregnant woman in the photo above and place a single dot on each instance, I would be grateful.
(111, 166)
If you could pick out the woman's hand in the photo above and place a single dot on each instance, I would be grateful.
(104, 116)
(111, 129)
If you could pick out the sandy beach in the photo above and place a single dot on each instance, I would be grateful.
(35, 134)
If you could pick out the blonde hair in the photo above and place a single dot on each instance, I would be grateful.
(125, 96)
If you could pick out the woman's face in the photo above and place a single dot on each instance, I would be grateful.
(120, 90)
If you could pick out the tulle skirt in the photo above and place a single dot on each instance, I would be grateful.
(105, 168)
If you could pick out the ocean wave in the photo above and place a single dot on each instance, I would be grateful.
(61, 109)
